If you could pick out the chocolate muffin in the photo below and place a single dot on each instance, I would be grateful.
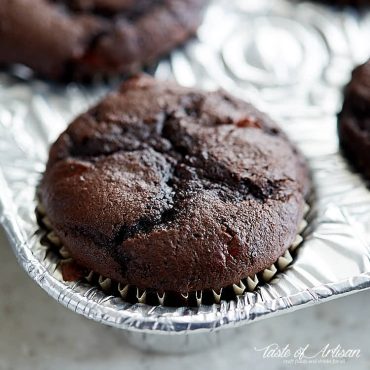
(75, 39)
(354, 120)
(171, 189)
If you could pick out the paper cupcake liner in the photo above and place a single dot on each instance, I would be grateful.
(133, 294)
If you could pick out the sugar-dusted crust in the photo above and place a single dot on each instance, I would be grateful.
(174, 189)
(76, 39)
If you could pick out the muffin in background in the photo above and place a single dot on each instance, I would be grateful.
(354, 120)
(75, 39)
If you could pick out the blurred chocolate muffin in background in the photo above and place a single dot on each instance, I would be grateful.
(354, 119)
(77, 39)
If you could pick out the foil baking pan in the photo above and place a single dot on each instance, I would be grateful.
(289, 58)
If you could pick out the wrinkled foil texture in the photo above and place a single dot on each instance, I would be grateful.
(291, 59)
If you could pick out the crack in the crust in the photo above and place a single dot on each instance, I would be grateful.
(144, 226)
(241, 191)
(216, 174)
(188, 175)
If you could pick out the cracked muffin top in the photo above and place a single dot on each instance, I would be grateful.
(354, 119)
(75, 39)
(174, 189)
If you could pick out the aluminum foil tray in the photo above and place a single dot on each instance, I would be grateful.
(291, 59)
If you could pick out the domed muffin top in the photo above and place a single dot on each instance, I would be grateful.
(174, 189)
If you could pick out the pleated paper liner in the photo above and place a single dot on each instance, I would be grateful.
(132, 294)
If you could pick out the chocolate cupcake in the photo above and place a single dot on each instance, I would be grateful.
(354, 120)
(76, 39)
(174, 191)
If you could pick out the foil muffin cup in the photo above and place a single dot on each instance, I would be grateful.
(298, 83)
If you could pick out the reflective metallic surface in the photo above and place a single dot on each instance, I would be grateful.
(291, 59)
